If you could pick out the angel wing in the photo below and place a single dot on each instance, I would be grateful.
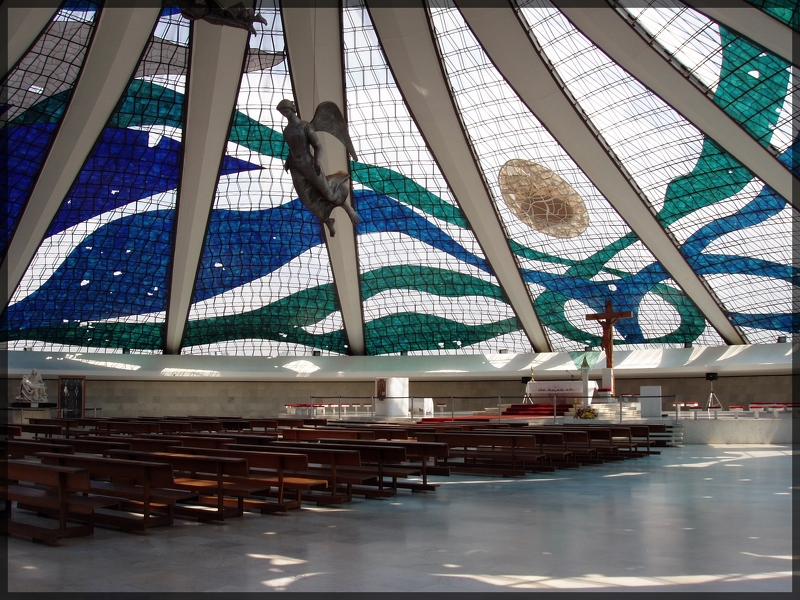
(329, 118)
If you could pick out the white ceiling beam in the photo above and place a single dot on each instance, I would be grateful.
(313, 39)
(406, 39)
(23, 25)
(613, 35)
(215, 67)
(505, 40)
(118, 42)
(752, 23)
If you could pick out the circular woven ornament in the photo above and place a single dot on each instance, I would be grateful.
(542, 199)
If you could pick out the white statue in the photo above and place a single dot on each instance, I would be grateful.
(32, 388)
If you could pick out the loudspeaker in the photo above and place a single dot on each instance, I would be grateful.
(711, 376)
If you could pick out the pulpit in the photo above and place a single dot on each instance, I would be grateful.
(391, 397)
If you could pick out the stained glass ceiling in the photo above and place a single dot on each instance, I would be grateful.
(498, 205)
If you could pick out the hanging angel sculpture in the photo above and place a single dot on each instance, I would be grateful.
(318, 192)
(212, 11)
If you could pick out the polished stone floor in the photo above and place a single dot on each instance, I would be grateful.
(698, 518)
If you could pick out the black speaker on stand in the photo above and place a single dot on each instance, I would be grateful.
(713, 401)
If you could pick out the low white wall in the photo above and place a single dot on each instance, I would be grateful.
(741, 431)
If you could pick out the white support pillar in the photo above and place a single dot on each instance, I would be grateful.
(605, 28)
(118, 42)
(313, 38)
(506, 42)
(752, 23)
(406, 39)
(23, 24)
(217, 55)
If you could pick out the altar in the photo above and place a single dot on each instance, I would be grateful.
(566, 392)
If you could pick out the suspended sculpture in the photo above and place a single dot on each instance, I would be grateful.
(542, 199)
(213, 12)
(318, 192)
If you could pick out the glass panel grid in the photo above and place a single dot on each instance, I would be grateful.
(785, 11)
(99, 279)
(34, 97)
(591, 270)
(264, 286)
(426, 285)
(752, 85)
(698, 192)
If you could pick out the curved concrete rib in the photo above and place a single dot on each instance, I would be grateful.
(313, 38)
(605, 28)
(506, 42)
(406, 39)
(217, 56)
(752, 23)
(23, 24)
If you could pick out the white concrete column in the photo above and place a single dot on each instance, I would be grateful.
(313, 38)
(217, 56)
(407, 41)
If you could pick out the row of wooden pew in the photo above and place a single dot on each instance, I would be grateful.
(140, 473)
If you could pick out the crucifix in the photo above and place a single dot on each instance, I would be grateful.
(607, 320)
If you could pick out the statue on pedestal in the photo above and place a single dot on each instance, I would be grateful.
(32, 388)
(319, 193)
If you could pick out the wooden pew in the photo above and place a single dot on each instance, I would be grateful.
(491, 454)
(23, 448)
(141, 443)
(40, 488)
(549, 443)
(219, 468)
(270, 468)
(128, 427)
(238, 425)
(382, 432)
(10, 431)
(198, 441)
(91, 446)
(136, 483)
(330, 459)
(298, 435)
(418, 450)
(167, 426)
(641, 436)
(67, 424)
(301, 421)
(257, 439)
(265, 424)
(614, 442)
(377, 460)
(40, 429)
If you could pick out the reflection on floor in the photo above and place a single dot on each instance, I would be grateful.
(699, 518)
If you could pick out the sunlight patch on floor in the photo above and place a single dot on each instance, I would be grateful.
(604, 581)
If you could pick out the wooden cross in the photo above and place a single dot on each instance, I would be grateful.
(607, 320)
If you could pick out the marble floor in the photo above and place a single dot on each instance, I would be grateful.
(697, 518)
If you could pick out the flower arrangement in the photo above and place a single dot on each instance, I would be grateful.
(585, 413)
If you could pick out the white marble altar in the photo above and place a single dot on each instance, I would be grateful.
(566, 392)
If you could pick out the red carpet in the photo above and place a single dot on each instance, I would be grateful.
(536, 410)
